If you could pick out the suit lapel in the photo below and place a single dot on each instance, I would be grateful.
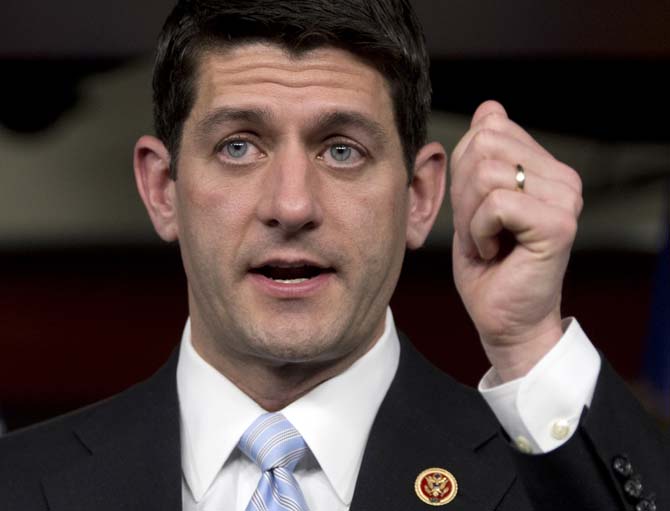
(428, 420)
(134, 445)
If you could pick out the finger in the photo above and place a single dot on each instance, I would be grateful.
(487, 108)
(499, 146)
(490, 175)
(539, 227)
(497, 123)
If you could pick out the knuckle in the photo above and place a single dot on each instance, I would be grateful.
(482, 177)
(482, 140)
(573, 179)
(496, 199)
(493, 122)
(566, 226)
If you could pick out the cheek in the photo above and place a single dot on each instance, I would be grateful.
(375, 222)
(386, 209)
(214, 202)
(212, 220)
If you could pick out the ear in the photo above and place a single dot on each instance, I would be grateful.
(151, 161)
(426, 192)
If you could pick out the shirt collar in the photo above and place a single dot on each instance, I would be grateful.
(215, 414)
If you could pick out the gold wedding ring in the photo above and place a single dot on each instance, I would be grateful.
(520, 177)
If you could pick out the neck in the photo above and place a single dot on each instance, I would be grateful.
(274, 385)
(274, 388)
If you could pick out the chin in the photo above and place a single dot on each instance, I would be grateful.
(288, 344)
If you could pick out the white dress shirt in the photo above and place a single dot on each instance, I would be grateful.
(335, 419)
(541, 411)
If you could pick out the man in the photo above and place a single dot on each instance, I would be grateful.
(291, 165)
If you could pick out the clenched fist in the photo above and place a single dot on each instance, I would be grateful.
(511, 246)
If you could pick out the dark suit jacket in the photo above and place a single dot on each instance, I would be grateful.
(124, 453)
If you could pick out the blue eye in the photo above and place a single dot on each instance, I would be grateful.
(237, 148)
(340, 152)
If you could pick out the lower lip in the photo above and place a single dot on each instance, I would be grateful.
(304, 289)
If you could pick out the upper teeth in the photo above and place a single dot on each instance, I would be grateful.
(290, 281)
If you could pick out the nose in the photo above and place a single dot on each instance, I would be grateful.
(290, 198)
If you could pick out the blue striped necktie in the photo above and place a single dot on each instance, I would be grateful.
(276, 447)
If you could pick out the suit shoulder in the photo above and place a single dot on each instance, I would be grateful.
(51, 442)
(426, 389)
(44, 447)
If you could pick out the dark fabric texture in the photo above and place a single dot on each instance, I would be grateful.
(582, 474)
(124, 453)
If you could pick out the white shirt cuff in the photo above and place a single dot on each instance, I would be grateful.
(541, 410)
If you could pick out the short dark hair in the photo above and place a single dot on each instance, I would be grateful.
(384, 33)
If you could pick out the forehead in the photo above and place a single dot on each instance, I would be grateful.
(267, 76)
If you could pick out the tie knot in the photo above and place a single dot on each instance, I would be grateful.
(272, 442)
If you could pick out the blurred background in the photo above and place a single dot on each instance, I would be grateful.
(91, 301)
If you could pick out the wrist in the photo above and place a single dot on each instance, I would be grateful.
(513, 356)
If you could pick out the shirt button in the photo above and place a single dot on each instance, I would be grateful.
(523, 444)
(560, 429)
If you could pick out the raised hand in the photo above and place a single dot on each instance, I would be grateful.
(511, 246)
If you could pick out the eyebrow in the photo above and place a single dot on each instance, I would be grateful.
(325, 123)
(223, 115)
(338, 119)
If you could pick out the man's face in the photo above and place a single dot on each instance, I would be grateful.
(291, 204)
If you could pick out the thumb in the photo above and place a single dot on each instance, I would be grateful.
(487, 108)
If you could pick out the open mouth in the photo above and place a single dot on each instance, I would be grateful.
(291, 274)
